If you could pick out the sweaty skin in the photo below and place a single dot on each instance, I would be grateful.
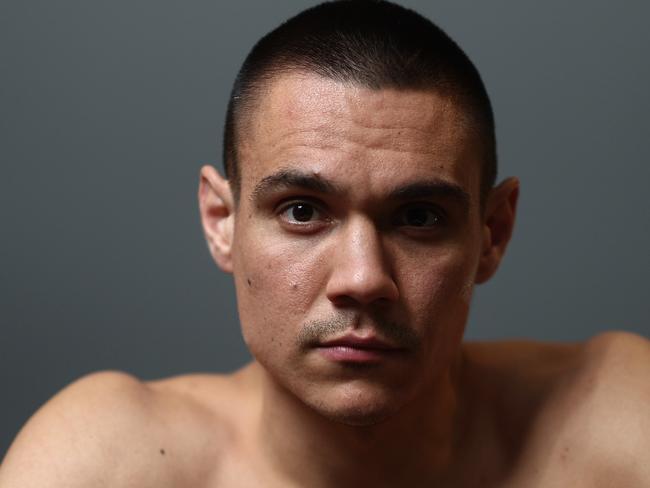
(359, 215)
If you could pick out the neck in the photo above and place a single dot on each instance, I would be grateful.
(418, 443)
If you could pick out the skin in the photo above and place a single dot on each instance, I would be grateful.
(357, 262)
(359, 212)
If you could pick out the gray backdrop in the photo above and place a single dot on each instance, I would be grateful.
(108, 109)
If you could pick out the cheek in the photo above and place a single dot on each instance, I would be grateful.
(438, 308)
(441, 288)
(276, 286)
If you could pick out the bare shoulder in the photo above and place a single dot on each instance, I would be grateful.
(615, 386)
(604, 414)
(111, 429)
(75, 437)
(578, 413)
(609, 361)
(619, 355)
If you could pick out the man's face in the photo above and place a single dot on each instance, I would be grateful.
(359, 217)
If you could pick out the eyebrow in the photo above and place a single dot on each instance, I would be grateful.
(435, 188)
(292, 178)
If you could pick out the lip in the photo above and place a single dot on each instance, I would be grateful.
(358, 342)
(356, 349)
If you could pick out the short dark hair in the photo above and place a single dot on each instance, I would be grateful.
(372, 43)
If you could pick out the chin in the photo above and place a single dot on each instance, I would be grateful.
(359, 418)
(356, 407)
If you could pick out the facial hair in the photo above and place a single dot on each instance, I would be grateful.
(318, 331)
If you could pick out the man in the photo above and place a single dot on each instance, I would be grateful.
(359, 212)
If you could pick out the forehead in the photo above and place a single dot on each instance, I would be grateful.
(346, 132)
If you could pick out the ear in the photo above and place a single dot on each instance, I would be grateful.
(498, 222)
(217, 209)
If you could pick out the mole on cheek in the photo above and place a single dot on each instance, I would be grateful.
(250, 283)
(294, 286)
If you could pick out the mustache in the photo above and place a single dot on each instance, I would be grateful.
(316, 331)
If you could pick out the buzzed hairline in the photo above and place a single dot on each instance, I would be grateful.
(375, 44)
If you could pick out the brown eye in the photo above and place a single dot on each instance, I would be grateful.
(420, 216)
(302, 212)
(298, 213)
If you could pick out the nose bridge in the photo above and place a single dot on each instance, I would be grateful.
(360, 268)
(365, 241)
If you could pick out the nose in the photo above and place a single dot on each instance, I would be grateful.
(360, 271)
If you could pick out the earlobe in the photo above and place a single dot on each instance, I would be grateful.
(216, 206)
(498, 223)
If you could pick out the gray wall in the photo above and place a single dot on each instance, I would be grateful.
(108, 109)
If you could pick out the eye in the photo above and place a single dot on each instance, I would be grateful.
(420, 216)
(301, 213)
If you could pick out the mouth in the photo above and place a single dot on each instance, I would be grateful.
(357, 349)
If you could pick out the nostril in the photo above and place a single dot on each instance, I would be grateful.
(343, 301)
(346, 288)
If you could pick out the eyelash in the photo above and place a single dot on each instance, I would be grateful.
(313, 225)
(440, 214)
(303, 226)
